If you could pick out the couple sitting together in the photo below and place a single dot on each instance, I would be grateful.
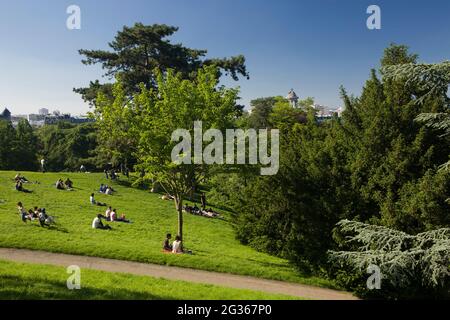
(106, 189)
(67, 185)
(111, 215)
(175, 247)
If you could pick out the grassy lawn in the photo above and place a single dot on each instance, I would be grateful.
(212, 240)
(34, 281)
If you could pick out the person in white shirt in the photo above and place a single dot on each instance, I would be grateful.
(176, 245)
(113, 215)
(97, 223)
(108, 214)
(92, 199)
(43, 165)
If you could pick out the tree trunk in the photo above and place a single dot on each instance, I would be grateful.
(179, 206)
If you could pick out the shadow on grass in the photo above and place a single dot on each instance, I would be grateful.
(29, 288)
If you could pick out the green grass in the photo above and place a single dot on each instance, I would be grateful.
(34, 282)
(212, 240)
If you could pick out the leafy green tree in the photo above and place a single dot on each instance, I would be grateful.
(260, 111)
(26, 147)
(66, 146)
(7, 145)
(375, 164)
(154, 114)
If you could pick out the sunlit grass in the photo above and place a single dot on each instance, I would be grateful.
(33, 281)
(212, 241)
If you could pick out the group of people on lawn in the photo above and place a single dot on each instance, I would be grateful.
(35, 214)
(108, 190)
(110, 215)
(66, 185)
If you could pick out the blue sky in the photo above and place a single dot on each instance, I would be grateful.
(313, 46)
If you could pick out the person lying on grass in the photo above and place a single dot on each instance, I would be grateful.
(210, 213)
(20, 178)
(93, 202)
(167, 197)
(97, 223)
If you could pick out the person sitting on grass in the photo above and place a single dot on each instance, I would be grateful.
(43, 218)
(32, 215)
(59, 184)
(97, 223)
(19, 187)
(102, 188)
(22, 212)
(166, 245)
(68, 183)
(108, 214)
(93, 202)
(109, 191)
(176, 245)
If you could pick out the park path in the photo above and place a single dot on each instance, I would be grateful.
(174, 273)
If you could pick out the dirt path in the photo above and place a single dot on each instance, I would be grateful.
(175, 273)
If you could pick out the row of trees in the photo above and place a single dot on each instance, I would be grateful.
(382, 167)
(378, 163)
(64, 146)
(18, 146)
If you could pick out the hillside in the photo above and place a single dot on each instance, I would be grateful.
(212, 241)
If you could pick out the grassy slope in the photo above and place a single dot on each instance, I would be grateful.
(212, 241)
(33, 281)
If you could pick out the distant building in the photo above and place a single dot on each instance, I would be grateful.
(5, 115)
(43, 111)
(292, 98)
(58, 117)
(16, 119)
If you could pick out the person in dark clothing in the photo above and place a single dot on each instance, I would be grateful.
(203, 201)
(167, 246)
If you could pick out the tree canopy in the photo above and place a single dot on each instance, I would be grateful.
(138, 50)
